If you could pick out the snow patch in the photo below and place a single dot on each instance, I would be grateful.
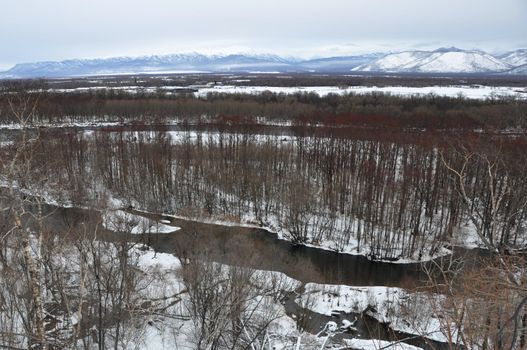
(122, 221)
(375, 344)
(402, 310)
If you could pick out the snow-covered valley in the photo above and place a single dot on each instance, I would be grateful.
(323, 230)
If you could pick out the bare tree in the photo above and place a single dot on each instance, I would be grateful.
(475, 299)
(230, 307)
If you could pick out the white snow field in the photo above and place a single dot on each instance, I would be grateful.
(479, 92)
(473, 92)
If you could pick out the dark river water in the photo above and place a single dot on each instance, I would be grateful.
(260, 249)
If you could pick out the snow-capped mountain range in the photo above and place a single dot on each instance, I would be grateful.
(443, 60)
(515, 58)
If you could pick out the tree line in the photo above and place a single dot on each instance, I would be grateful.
(371, 110)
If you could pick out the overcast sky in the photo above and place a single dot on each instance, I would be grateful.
(36, 30)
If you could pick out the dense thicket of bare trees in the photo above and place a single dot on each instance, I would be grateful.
(397, 198)
(59, 289)
(372, 110)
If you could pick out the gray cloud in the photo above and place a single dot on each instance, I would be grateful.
(33, 30)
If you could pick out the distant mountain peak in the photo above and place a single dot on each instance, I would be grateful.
(443, 60)
(515, 58)
(448, 49)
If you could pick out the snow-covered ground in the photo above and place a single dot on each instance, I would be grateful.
(121, 221)
(163, 332)
(283, 332)
(99, 124)
(473, 92)
(479, 92)
(404, 311)
(375, 344)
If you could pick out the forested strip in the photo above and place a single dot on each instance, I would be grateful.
(372, 110)
(391, 199)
